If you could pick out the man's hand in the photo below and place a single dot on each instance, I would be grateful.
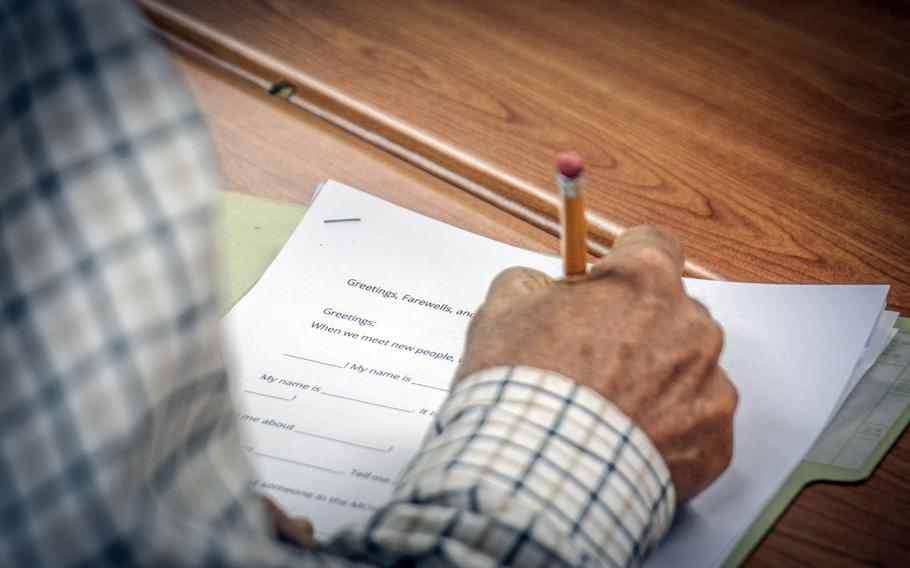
(630, 332)
(292, 530)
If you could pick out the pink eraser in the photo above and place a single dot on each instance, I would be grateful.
(569, 164)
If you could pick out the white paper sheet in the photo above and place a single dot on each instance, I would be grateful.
(333, 418)
(881, 336)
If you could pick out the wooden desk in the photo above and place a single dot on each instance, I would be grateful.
(757, 193)
(773, 138)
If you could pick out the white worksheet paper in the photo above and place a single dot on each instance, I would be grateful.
(344, 350)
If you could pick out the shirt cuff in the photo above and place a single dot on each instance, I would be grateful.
(587, 482)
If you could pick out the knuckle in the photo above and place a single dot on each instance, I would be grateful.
(720, 414)
(651, 307)
(732, 398)
(722, 403)
(506, 276)
(700, 308)
(719, 453)
(654, 259)
(714, 339)
(517, 281)
(723, 456)
(729, 396)
(725, 402)
(707, 340)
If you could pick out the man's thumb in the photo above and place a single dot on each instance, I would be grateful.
(514, 283)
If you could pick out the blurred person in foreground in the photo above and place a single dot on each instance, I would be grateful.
(585, 409)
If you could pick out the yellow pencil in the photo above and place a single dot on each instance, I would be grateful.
(572, 214)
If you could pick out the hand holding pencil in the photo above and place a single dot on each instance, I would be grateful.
(620, 330)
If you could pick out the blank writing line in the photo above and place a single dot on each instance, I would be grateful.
(271, 395)
(385, 451)
(313, 361)
(429, 386)
(297, 462)
(368, 402)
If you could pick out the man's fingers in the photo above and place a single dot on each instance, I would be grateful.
(513, 283)
(646, 253)
(304, 526)
(293, 530)
(304, 534)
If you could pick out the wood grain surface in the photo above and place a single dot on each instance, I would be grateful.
(269, 148)
(771, 136)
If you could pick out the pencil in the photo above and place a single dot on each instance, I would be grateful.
(572, 213)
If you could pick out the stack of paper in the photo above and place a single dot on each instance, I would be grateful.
(346, 346)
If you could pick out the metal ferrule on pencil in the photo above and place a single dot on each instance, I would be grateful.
(570, 187)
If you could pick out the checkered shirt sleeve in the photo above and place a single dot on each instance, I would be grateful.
(118, 439)
(525, 468)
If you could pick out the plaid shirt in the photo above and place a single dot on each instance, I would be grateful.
(118, 441)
